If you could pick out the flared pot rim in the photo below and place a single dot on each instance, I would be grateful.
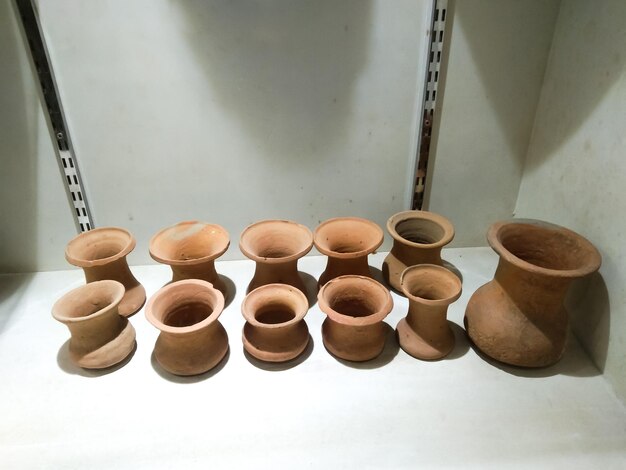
(353, 254)
(494, 238)
(282, 259)
(193, 261)
(285, 289)
(85, 263)
(443, 222)
(170, 289)
(376, 317)
(432, 302)
(117, 289)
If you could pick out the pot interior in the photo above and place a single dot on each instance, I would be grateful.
(99, 244)
(89, 299)
(357, 297)
(430, 283)
(276, 239)
(420, 231)
(549, 248)
(187, 314)
(274, 314)
(348, 236)
(189, 241)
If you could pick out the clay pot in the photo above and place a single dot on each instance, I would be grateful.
(355, 307)
(425, 333)
(100, 337)
(518, 317)
(418, 237)
(191, 248)
(276, 246)
(192, 340)
(101, 253)
(275, 330)
(347, 241)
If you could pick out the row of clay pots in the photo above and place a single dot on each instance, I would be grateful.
(193, 341)
(518, 318)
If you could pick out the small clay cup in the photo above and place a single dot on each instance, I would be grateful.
(418, 237)
(347, 241)
(190, 249)
(275, 330)
(425, 333)
(192, 340)
(518, 318)
(355, 307)
(276, 246)
(101, 253)
(100, 336)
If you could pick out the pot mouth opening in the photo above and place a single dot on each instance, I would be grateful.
(89, 300)
(274, 314)
(99, 246)
(189, 242)
(420, 231)
(355, 300)
(276, 241)
(432, 283)
(346, 237)
(187, 314)
(545, 247)
(274, 305)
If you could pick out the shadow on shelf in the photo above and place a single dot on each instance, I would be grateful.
(390, 351)
(461, 343)
(279, 366)
(310, 283)
(188, 379)
(574, 363)
(12, 288)
(231, 290)
(69, 367)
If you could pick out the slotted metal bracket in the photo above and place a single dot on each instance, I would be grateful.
(62, 143)
(433, 71)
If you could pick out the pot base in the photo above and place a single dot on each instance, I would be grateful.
(421, 348)
(187, 361)
(133, 300)
(362, 343)
(298, 342)
(109, 354)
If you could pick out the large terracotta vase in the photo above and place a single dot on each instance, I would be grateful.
(355, 307)
(100, 336)
(347, 241)
(101, 253)
(275, 330)
(276, 246)
(191, 339)
(425, 333)
(190, 249)
(418, 237)
(518, 318)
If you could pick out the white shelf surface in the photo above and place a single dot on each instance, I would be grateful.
(393, 412)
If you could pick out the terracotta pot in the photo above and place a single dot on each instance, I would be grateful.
(425, 333)
(355, 307)
(418, 237)
(100, 337)
(347, 241)
(101, 253)
(192, 340)
(276, 246)
(190, 249)
(275, 330)
(518, 317)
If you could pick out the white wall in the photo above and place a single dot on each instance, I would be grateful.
(576, 167)
(35, 218)
(232, 112)
(497, 55)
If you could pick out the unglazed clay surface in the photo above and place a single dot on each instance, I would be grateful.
(276, 246)
(418, 237)
(191, 340)
(518, 317)
(100, 336)
(275, 330)
(355, 307)
(101, 253)
(190, 249)
(347, 241)
(424, 333)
